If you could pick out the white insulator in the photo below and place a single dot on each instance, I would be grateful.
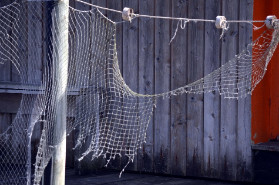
(221, 22)
(127, 14)
(269, 21)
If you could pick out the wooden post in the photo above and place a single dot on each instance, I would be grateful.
(60, 62)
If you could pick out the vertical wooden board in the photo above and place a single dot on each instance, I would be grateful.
(211, 99)
(131, 55)
(244, 153)
(146, 77)
(82, 30)
(72, 79)
(5, 65)
(86, 165)
(82, 6)
(5, 122)
(15, 76)
(22, 47)
(9, 103)
(273, 81)
(34, 43)
(102, 3)
(5, 71)
(162, 84)
(116, 17)
(195, 104)
(70, 157)
(46, 25)
(17, 146)
(178, 79)
(229, 106)
(35, 59)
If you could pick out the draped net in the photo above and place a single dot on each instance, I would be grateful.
(110, 117)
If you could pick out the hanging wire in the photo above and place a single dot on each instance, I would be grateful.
(171, 18)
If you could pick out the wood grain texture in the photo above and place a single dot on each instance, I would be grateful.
(195, 135)
(5, 121)
(9, 103)
(116, 17)
(211, 99)
(162, 84)
(146, 78)
(195, 105)
(5, 64)
(131, 56)
(229, 112)
(86, 166)
(243, 152)
(178, 79)
(35, 43)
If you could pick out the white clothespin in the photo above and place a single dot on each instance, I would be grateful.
(269, 21)
(221, 22)
(127, 14)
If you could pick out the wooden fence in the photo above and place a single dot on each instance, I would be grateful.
(190, 135)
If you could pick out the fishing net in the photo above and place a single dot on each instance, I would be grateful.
(110, 117)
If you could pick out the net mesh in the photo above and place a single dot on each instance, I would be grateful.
(111, 119)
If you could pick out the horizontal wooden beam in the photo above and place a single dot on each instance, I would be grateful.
(9, 103)
(268, 146)
(14, 88)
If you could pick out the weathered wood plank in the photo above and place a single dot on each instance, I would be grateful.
(195, 101)
(146, 78)
(244, 153)
(162, 84)
(86, 165)
(5, 64)
(116, 17)
(9, 103)
(33, 63)
(219, 148)
(15, 76)
(229, 106)
(178, 79)
(131, 54)
(35, 44)
(71, 106)
(212, 99)
(5, 121)
(70, 157)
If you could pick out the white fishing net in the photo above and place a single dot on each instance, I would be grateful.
(111, 118)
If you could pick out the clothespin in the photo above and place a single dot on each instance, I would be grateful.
(127, 14)
(270, 21)
(221, 22)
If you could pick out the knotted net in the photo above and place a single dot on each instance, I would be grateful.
(111, 118)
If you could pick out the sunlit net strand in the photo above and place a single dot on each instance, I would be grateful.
(111, 119)
(233, 80)
(107, 85)
(15, 142)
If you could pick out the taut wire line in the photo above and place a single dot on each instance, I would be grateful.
(170, 18)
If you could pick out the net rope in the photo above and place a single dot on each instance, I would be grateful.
(111, 119)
